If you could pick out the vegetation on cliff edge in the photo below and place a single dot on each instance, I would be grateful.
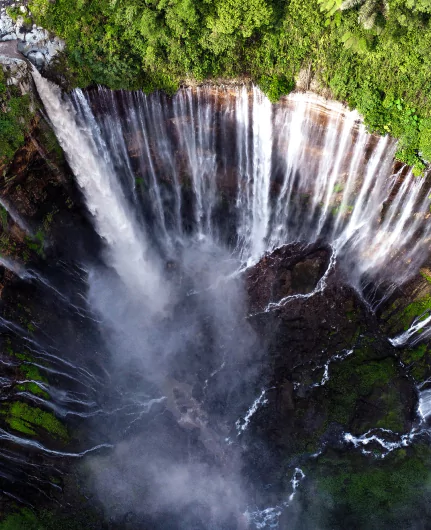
(14, 119)
(382, 71)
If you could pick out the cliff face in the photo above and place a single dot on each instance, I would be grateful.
(45, 231)
(23, 45)
(38, 195)
(43, 214)
(44, 226)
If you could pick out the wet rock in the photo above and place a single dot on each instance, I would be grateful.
(9, 36)
(330, 368)
(37, 58)
(290, 270)
(15, 67)
(35, 43)
(6, 24)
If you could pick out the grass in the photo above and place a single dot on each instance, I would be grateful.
(33, 388)
(15, 117)
(36, 243)
(425, 275)
(26, 519)
(414, 310)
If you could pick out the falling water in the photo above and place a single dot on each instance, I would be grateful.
(415, 333)
(95, 171)
(225, 168)
(242, 424)
(305, 169)
(424, 406)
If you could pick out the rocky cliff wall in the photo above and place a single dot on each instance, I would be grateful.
(35, 43)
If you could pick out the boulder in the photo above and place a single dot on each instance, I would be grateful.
(36, 43)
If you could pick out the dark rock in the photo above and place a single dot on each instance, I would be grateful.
(329, 332)
(290, 270)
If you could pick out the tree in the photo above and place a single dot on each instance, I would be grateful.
(233, 18)
(369, 10)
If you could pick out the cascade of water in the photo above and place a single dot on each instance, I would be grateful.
(269, 517)
(320, 185)
(424, 407)
(242, 423)
(415, 333)
(320, 287)
(384, 441)
(24, 442)
(305, 169)
(116, 141)
(262, 151)
(140, 114)
(292, 127)
(166, 157)
(332, 176)
(15, 267)
(195, 125)
(244, 177)
(288, 172)
(92, 164)
(15, 216)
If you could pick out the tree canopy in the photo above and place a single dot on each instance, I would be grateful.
(373, 54)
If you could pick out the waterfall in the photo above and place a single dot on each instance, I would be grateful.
(424, 406)
(94, 167)
(225, 164)
(305, 169)
(186, 193)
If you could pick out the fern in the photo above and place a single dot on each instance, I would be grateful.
(368, 10)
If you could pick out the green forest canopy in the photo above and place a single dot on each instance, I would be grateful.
(373, 54)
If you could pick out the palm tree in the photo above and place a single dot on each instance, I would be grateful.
(368, 11)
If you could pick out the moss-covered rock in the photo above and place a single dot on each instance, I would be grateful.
(349, 491)
(27, 519)
(15, 116)
(30, 420)
(31, 373)
(405, 306)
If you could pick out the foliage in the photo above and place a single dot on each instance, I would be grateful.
(27, 519)
(13, 12)
(425, 139)
(36, 242)
(382, 71)
(276, 86)
(3, 218)
(419, 308)
(369, 10)
(14, 118)
(32, 373)
(360, 378)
